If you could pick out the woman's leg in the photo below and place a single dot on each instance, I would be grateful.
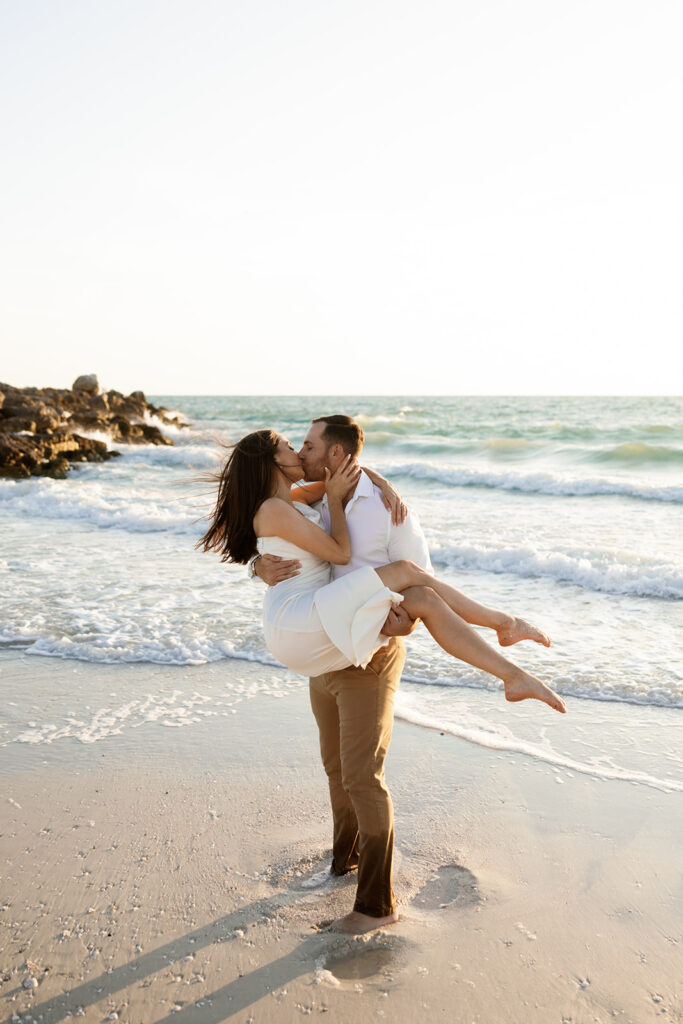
(461, 641)
(510, 628)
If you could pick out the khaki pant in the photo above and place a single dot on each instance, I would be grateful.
(354, 709)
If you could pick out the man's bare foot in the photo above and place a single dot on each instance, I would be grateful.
(523, 685)
(519, 629)
(356, 923)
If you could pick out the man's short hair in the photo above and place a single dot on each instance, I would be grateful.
(344, 431)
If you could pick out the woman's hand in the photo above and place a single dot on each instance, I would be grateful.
(390, 496)
(343, 480)
(392, 501)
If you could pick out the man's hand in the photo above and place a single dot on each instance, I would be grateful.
(272, 569)
(398, 623)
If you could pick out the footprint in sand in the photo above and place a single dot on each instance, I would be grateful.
(317, 881)
(452, 885)
(360, 957)
(305, 871)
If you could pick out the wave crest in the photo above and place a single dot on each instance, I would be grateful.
(536, 483)
(631, 452)
(593, 570)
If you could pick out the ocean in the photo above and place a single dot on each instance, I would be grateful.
(565, 510)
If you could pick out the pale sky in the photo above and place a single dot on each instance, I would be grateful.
(327, 197)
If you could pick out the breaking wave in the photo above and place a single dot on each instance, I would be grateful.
(536, 483)
(592, 570)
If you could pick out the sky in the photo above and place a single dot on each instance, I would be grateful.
(374, 197)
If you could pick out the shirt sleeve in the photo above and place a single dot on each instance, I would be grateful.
(408, 541)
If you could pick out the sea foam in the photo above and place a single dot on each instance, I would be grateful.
(592, 570)
(136, 510)
(126, 508)
(558, 484)
(498, 737)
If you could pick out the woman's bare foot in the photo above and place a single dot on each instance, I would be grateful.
(522, 685)
(519, 629)
(356, 923)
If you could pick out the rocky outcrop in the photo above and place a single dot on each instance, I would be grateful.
(40, 427)
(87, 383)
(24, 455)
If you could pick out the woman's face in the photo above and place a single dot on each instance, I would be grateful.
(287, 460)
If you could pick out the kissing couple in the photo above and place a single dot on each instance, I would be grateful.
(349, 574)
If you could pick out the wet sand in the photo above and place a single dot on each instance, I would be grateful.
(169, 874)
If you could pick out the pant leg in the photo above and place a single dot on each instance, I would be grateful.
(344, 821)
(365, 702)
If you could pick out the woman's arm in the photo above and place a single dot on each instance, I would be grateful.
(390, 496)
(309, 494)
(277, 518)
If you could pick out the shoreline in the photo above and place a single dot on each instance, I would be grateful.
(158, 873)
(77, 704)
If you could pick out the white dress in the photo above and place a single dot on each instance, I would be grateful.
(313, 625)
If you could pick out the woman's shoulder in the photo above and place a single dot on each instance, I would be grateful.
(267, 512)
(270, 503)
(272, 509)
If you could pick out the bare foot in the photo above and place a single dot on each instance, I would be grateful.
(519, 629)
(523, 685)
(356, 923)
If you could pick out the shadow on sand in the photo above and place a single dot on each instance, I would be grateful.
(346, 957)
(224, 1002)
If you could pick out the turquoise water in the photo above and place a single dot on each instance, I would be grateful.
(565, 510)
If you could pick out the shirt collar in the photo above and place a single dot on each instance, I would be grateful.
(364, 489)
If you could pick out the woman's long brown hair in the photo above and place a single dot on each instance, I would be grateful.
(246, 480)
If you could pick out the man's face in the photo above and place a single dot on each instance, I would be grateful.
(316, 454)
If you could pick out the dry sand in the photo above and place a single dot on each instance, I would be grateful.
(167, 878)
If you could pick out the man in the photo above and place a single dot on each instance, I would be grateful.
(354, 707)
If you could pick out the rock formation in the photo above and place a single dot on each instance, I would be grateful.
(39, 427)
(87, 383)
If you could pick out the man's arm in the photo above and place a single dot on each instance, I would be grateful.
(272, 569)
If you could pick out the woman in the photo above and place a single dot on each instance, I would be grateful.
(313, 625)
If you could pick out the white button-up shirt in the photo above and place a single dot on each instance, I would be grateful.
(374, 539)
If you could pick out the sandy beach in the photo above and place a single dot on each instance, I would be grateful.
(164, 873)
(243, 242)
